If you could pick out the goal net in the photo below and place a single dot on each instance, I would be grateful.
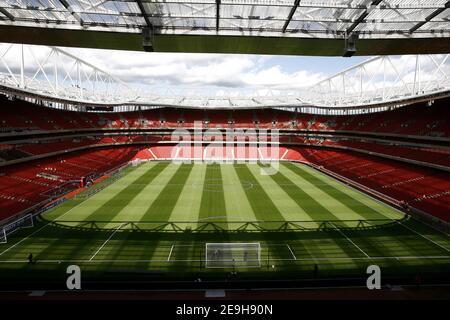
(233, 255)
(20, 223)
(136, 162)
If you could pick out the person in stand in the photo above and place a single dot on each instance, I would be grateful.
(316, 270)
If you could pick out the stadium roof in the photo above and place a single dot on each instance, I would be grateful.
(55, 75)
(314, 27)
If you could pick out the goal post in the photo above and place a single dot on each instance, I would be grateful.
(20, 223)
(136, 162)
(233, 255)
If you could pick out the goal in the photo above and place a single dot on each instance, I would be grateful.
(20, 223)
(233, 255)
(136, 162)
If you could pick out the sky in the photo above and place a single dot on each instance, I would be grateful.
(182, 74)
(218, 71)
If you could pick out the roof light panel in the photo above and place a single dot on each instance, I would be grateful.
(321, 16)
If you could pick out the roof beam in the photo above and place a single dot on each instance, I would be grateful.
(218, 14)
(96, 37)
(71, 11)
(291, 14)
(7, 14)
(363, 16)
(144, 14)
(431, 16)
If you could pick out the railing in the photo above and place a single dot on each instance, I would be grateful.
(210, 226)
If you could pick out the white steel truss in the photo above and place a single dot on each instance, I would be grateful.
(382, 80)
(54, 75)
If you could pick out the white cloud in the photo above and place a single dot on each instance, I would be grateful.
(274, 77)
(246, 72)
(230, 75)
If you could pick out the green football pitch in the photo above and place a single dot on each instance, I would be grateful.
(158, 217)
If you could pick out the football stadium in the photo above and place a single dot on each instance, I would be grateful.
(175, 189)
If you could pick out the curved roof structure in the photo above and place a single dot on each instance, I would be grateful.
(313, 27)
(55, 75)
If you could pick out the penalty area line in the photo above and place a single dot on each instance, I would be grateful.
(38, 230)
(423, 236)
(349, 240)
(170, 253)
(289, 247)
(104, 243)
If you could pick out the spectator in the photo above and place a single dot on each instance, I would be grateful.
(316, 270)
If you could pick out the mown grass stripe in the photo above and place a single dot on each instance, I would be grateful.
(365, 199)
(288, 208)
(109, 209)
(313, 209)
(396, 241)
(328, 245)
(111, 188)
(213, 200)
(352, 202)
(188, 204)
(333, 205)
(334, 254)
(262, 205)
(238, 207)
(263, 208)
(137, 208)
(163, 205)
(167, 185)
(378, 246)
(72, 211)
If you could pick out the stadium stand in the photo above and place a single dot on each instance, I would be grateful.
(34, 183)
(47, 148)
(425, 189)
(417, 120)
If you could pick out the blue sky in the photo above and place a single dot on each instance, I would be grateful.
(235, 72)
(327, 65)
(232, 75)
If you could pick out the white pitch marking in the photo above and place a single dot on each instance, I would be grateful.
(151, 152)
(177, 152)
(340, 231)
(170, 253)
(350, 186)
(104, 243)
(32, 234)
(284, 154)
(289, 247)
(448, 250)
(197, 260)
(260, 153)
